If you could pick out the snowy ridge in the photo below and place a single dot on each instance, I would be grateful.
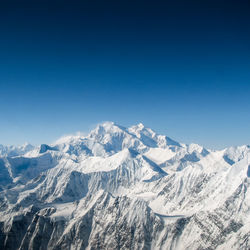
(15, 150)
(124, 188)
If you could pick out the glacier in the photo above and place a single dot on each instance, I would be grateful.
(124, 188)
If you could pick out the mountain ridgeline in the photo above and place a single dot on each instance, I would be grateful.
(124, 188)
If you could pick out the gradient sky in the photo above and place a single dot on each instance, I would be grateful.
(181, 68)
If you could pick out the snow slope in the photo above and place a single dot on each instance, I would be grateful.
(124, 188)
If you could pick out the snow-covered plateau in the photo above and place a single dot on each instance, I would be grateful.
(124, 188)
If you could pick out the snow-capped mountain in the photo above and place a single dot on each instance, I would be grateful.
(15, 150)
(124, 188)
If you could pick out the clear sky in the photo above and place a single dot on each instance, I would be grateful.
(181, 68)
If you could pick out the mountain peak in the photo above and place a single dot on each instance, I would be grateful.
(140, 126)
(152, 185)
(106, 124)
(140, 130)
(106, 127)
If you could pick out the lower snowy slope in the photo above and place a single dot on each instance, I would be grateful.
(125, 188)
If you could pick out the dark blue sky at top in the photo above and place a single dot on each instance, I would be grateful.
(180, 67)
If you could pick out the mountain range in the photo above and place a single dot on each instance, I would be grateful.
(124, 188)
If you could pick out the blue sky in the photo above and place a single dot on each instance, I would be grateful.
(182, 69)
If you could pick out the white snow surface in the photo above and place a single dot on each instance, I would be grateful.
(116, 180)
